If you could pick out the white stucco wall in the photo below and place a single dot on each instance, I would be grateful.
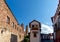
(34, 23)
(35, 39)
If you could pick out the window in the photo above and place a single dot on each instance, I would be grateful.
(59, 13)
(15, 26)
(8, 20)
(59, 19)
(19, 36)
(36, 26)
(20, 30)
(3, 30)
(35, 34)
(12, 24)
(55, 25)
(32, 26)
(40, 29)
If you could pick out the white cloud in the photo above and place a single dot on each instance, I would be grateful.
(46, 29)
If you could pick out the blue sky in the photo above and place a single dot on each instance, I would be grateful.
(27, 10)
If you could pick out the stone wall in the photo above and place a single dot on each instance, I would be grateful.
(7, 29)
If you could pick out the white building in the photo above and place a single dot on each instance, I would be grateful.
(35, 30)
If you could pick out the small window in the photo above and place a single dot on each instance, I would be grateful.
(59, 19)
(1, 31)
(35, 34)
(55, 25)
(8, 20)
(32, 26)
(40, 29)
(36, 26)
(19, 36)
(12, 24)
(59, 13)
(20, 30)
(15, 26)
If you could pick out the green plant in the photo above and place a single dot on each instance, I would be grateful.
(26, 39)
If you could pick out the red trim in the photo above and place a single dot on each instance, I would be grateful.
(34, 29)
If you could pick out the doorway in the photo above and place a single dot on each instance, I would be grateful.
(13, 38)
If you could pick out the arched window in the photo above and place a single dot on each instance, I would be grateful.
(8, 20)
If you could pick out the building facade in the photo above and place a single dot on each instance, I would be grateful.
(44, 37)
(56, 24)
(35, 30)
(51, 36)
(10, 30)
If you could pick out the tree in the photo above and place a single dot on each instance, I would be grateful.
(26, 39)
